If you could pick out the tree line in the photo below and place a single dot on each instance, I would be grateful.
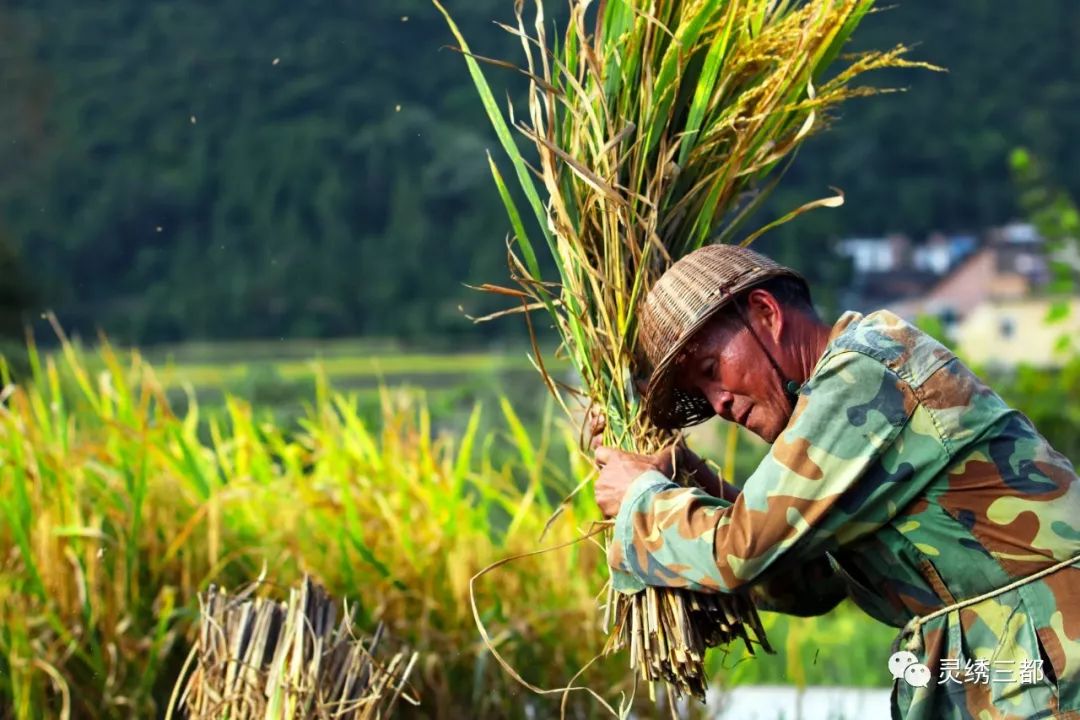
(174, 170)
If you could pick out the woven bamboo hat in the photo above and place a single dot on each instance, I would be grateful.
(682, 301)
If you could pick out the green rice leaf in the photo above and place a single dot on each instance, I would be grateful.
(502, 130)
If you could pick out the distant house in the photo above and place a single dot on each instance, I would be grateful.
(1010, 332)
(940, 253)
(1011, 265)
(892, 268)
(876, 254)
(936, 256)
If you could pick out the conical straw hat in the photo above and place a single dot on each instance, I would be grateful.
(681, 302)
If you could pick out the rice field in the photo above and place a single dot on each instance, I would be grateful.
(281, 375)
(118, 508)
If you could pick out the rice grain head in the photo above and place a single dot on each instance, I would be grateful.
(658, 127)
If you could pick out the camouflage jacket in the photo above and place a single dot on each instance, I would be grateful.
(921, 488)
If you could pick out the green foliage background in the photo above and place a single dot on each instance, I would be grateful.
(161, 177)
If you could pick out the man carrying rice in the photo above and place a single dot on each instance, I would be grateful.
(895, 477)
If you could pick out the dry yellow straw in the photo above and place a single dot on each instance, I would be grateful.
(257, 659)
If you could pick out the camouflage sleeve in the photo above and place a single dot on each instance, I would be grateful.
(832, 476)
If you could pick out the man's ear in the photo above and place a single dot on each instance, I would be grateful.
(767, 311)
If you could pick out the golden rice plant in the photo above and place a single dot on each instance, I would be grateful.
(116, 512)
(257, 659)
(658, 126)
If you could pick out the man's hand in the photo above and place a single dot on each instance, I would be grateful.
(684, 458)
(618, 470)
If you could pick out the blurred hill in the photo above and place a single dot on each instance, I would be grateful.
(177, 170)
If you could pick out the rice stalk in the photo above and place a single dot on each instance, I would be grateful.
(257, 658)
(658, 127)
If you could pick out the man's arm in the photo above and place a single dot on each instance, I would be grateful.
(809, 588)
(832, 476)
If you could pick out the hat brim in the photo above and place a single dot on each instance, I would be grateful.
(668, 406)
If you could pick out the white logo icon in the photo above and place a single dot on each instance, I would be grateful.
(900, 661)
(917, 675)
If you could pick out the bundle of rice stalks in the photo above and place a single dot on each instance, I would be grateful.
(659, 125)
(257, 658)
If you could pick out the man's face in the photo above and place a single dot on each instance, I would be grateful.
(728, 366)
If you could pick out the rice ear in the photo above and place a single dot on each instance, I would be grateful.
(658, 127)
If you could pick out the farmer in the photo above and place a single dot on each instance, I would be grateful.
(895, 477)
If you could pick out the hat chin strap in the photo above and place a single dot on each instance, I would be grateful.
(789, 387)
